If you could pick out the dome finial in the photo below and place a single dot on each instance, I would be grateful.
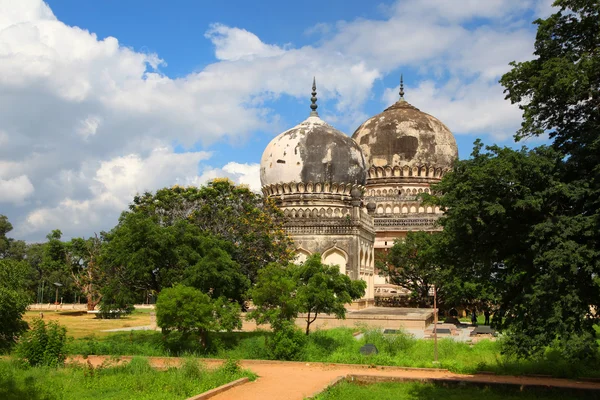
(313, 100)
(401, 87)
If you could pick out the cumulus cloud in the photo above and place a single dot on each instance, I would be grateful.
(233, 44)
(85, 123)
(15, 190)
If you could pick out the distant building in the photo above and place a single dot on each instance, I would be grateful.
(348, 198)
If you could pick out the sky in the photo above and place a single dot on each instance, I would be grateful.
(100, 100)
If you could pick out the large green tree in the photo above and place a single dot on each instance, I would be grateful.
(559, 93)
(143, 255)
(251, 223)
(505, 229)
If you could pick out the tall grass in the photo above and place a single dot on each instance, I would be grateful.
(340, 346)
(134, 380)
(418, 391)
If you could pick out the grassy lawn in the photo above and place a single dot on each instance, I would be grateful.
(136, 380)
(428, 391)
(340, 346)
(80, 324)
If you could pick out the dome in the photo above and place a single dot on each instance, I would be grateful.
(312, 151)
(403, 135)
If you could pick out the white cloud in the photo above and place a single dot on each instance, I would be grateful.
(246, 174)
(88, 122)
(15, 190)
(233, 44)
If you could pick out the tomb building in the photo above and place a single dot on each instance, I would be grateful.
(406, 151)
(316, 175)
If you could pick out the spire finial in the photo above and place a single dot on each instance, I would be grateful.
(313, 100)
(401, 87)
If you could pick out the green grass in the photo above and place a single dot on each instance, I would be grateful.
(339, 346)
(427, 391)
(135, 380)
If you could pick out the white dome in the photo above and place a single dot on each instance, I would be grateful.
(312, 151)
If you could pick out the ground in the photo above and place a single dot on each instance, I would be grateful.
(80, 324)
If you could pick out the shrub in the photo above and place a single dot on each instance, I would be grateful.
(44, 344)
(287, 342)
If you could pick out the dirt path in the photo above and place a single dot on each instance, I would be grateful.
(296, 380)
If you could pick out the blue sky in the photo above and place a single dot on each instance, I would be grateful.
(100, 100)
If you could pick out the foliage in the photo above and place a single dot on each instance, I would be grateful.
(253, 225)
(13, 301)
(44, 344)
(83, 259)
(501, 226)
(142, 254)
(133, 380)
(414, 264)
(340, 345)
(528, 222)
(9, 247)
(287, 342)
(558, 92)
(272, 295)
(189, 310)
(322, 289)
(282, 292)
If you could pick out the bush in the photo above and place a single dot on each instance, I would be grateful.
(287, 342)
(13, 302)
(44, 344)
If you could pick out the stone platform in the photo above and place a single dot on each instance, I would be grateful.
(382, 317)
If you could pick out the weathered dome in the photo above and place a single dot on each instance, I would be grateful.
(403, 135)
(312, 151)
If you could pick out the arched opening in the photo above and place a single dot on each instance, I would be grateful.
(335, 256)
(301, 256)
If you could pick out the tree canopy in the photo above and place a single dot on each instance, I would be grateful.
(141, 254)
(283, 291)
(233, 213)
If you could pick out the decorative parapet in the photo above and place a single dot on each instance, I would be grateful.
(310, 188)
(421, 171)
(405, 223)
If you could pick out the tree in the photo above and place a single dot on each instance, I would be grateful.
(504, 229)
(273, 296)
(13, 301)
(10, 248)
(559, 93)
(188, 310)
(282, 292)
(141, 254)
(83, 258)
(413, 264)
(322, 289)
(233, 213)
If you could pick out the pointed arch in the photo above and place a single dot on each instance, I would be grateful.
(301, 255)
(335, 256)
